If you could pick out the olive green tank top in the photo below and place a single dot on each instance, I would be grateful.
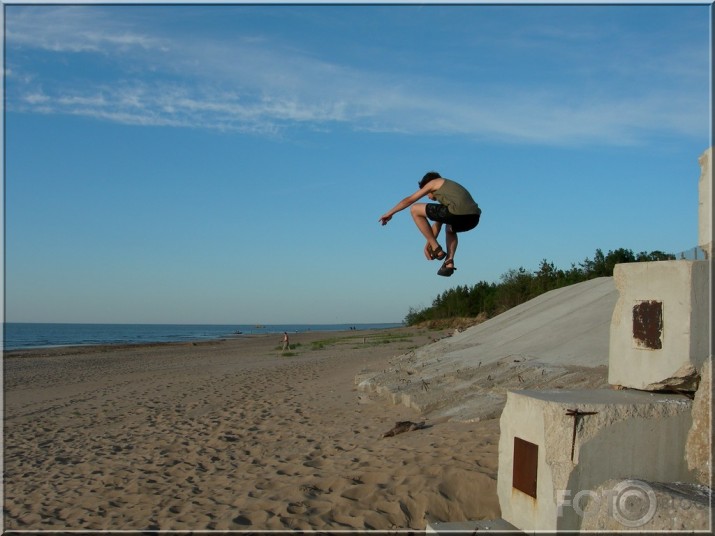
(456, 198)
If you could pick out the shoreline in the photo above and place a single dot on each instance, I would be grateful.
(234, 435)
(73, 349)
(190, 336)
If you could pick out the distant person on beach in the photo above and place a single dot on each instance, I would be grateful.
(286, 341)
(455, 208)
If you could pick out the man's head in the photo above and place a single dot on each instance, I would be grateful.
(432, 175)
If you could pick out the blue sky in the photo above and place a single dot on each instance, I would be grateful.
(229, 163)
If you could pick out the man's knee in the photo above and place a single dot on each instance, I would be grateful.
(418, 209)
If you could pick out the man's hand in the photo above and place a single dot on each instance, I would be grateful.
(384, 219)
(428, 255)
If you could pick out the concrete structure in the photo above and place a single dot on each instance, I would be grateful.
(705, 207)
(469, 527)
(556, 446)
(648, 507)
(659, 334)
(698, 449)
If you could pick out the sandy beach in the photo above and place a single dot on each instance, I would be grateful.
(232, 435)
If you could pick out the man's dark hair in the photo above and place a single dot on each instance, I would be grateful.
(432, 175)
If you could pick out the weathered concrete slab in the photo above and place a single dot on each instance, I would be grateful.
(559, 339)
(698, 449)
(469, 527)
(643, 506)
(577, 440)
(660, 330)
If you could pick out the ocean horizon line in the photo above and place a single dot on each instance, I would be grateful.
(28, 335)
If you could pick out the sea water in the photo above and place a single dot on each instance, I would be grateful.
(34, 335)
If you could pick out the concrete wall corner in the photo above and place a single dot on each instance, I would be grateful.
(705, 195)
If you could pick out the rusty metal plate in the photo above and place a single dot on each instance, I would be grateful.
(526, 463)
(648, 325)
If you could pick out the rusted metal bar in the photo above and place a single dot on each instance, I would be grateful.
(576, 413)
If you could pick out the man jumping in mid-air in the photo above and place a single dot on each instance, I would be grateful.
(456, 209)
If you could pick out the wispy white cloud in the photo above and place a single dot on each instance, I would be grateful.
(74, 29)
(253, 84)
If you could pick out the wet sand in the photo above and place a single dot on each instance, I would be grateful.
(233, 435)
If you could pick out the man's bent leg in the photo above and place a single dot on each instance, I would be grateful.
(452, 242)
(420, 216)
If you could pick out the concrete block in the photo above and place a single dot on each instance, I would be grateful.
(660, 328)
(623, 505)
(698, 449)
(570, 442)
(705, 207)
(469, 527)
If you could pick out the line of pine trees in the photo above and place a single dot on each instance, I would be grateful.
(519, 286)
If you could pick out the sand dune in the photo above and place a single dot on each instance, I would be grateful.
(557, 340)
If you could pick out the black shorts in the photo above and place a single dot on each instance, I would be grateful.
(459, 223)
